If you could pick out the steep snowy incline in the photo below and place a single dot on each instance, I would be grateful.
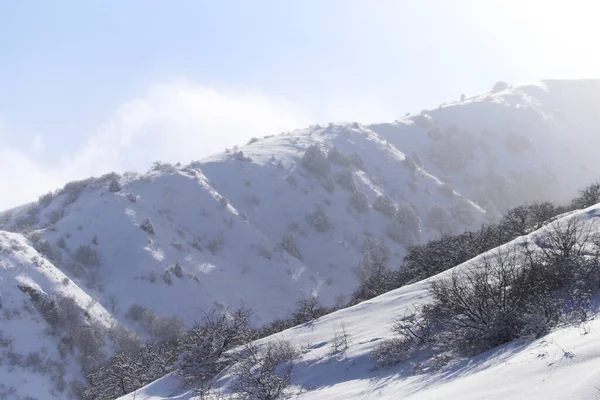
(560, 365)
(39, 348)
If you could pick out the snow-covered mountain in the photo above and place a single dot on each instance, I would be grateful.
(280, 219)
(560, 365)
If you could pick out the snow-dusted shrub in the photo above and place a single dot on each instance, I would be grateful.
(147, 226)
(291, 180)
(44, 247)
(114, 186)
(517, 143)
(239, 155)
(288, 243)
(358, 201)
(166, 329)
(264, 373)
(345, 179)
(131, 197)
(385, 205)
(177, 270)
(338, 158)
(492, 303)
(128, 371)
(55, 215)
(87, 256)
(5, 217)
(90, 341)
(136, 312)
(254, 140)
(328, 184)
(439, 218)
(446, 189)
(215, 244)
(522, 220)
(405, 228)
(463, 211)
(45, 199)
(124, 340)
(307, 311)
(315, 161)
(25, 222)
(409, 163)
(205, 345)
(357, 161)
(166, 277)
(588, 196)
(499, 86)
(390, 352)
(454, 150)
(73, 190)
(160, 166)
(319, 220)
(375, 276)
(340, 341)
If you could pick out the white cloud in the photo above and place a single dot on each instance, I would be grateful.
(169, 122)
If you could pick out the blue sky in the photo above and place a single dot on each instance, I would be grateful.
(87, 87)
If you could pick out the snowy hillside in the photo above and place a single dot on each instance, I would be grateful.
(560, 365)
(286, 217)
(40, 350)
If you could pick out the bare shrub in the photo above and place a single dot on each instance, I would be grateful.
(405, 229)
(147, 226)
(288, 243)
(588, 197)
(114, 186)
(340, 341)
(205, 346)
(87, 256)
(307, 311)
(338, 158)
(319, 220)
(315, 161)
(264, 374)
(385, 205)
(358, 201)
(345, 179)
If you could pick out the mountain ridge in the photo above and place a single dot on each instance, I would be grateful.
(284, 218)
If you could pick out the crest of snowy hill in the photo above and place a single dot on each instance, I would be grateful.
(287, 217)
(279, 220)
(510, 146)
(335, 358)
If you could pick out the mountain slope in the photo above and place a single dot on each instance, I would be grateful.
(40, 349)
(560, 365)
(286, 217)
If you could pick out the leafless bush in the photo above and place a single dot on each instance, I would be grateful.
(264, 374)
(288, 243)
(358, 201)
(147, 226)
(315, 161)
(87, 256)
(319, 220)
(340, 341)
(385, 205)
(345, 179)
